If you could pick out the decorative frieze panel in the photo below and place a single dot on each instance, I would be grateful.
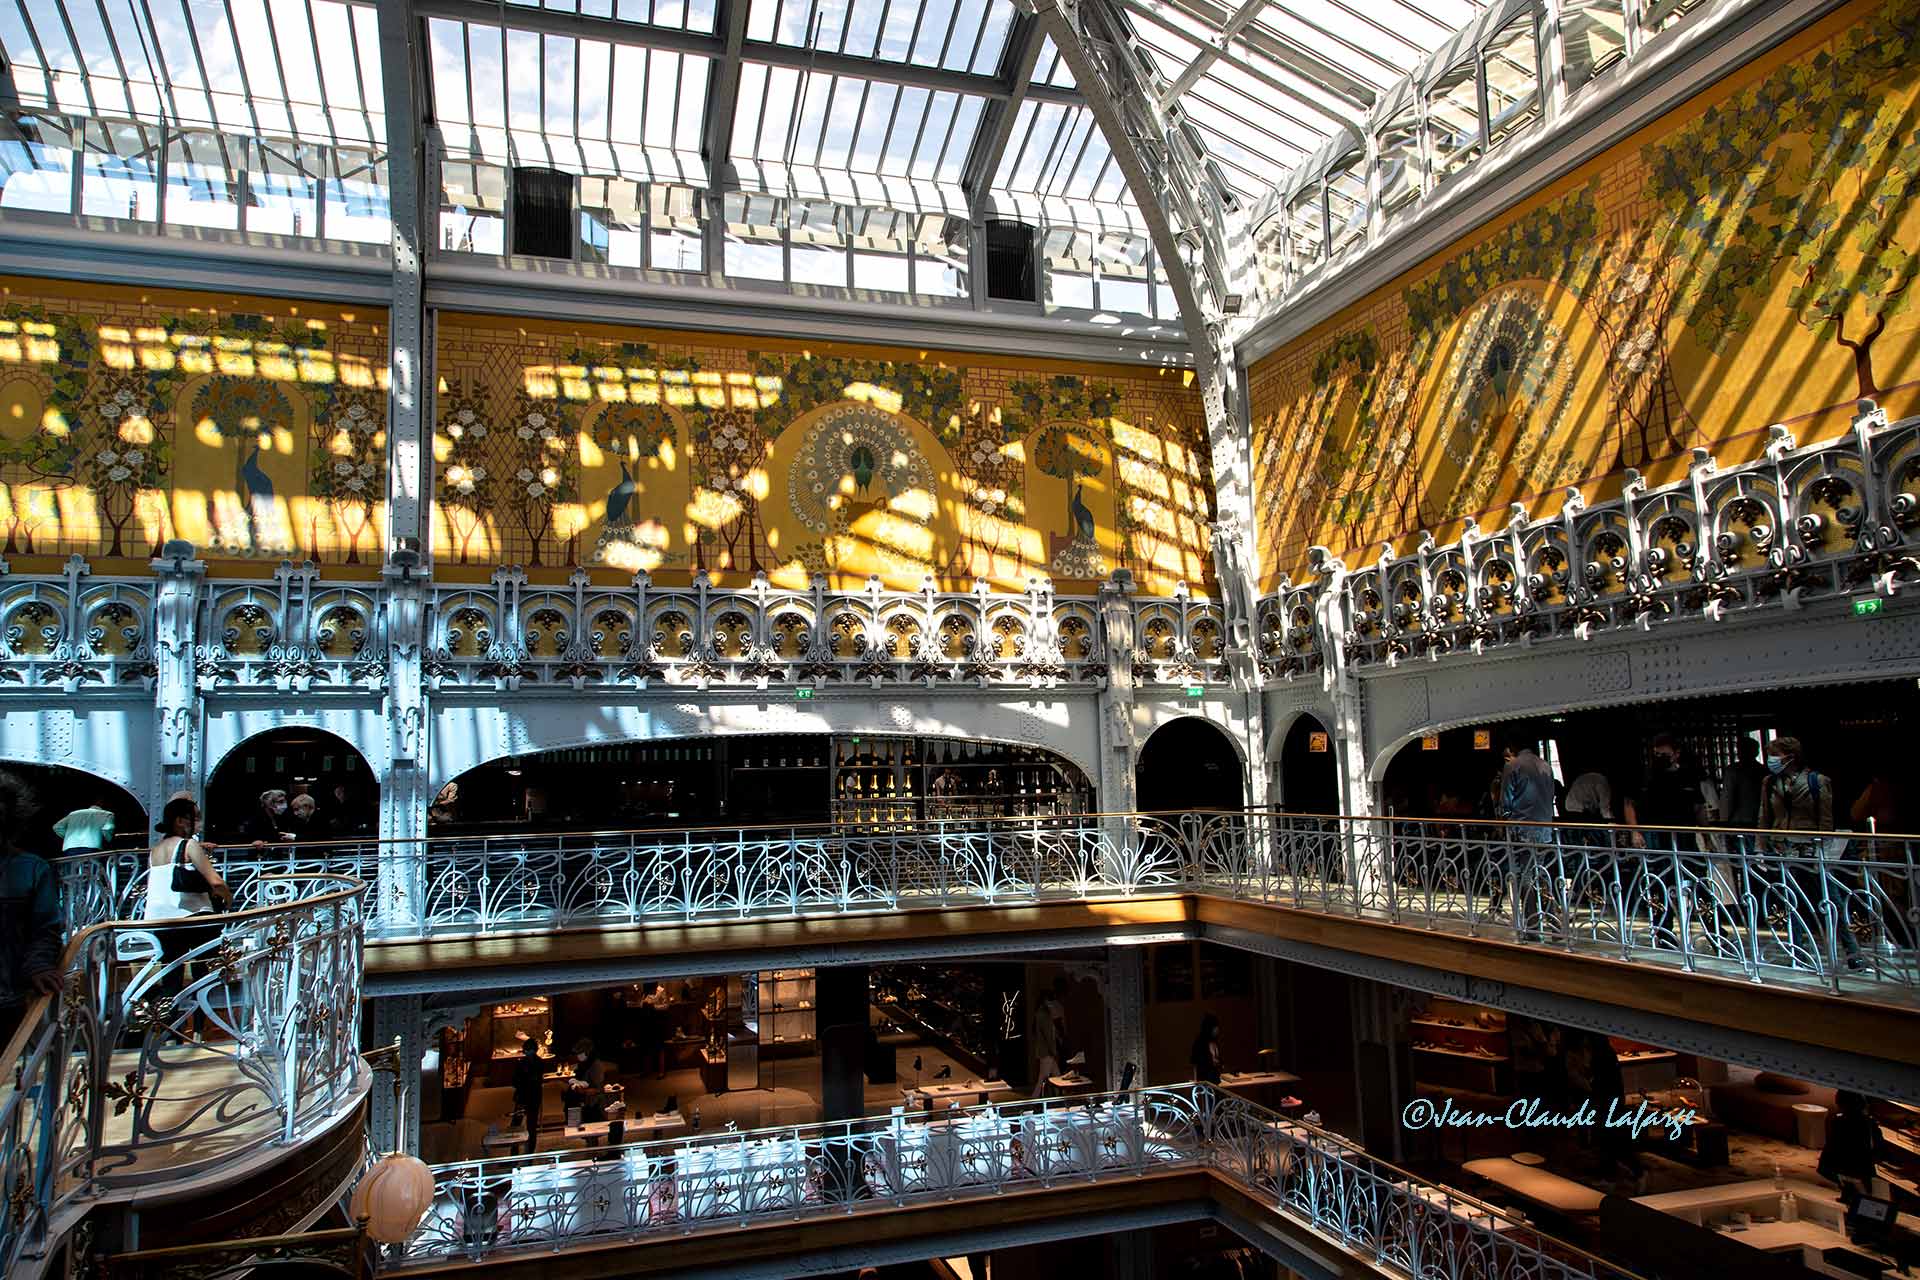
(75, 631)
(1798, 524)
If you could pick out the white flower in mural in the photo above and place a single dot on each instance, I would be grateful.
(365, 469)
(118, 474)
(478, 473)
(133, 457)
(478, 430)
(358, 420)
(523, 475)
(108, 458)
(550, 477)
(536, 490)
(466, 417)
(525, 432)
(536, 420)
(343, 468)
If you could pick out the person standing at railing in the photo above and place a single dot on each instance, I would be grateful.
(87, 830)
(1526, 799)
(1740, 795)
(182, 883)
(1796, 797)
(1878, 811)
(1662, 816)
(30, 933)
(268, 824)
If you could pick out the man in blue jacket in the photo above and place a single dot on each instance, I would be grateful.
(30, 932)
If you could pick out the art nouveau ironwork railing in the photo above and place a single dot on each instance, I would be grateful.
(175, 1045)
(1800, 522)
(1840, 908)
(1316, 1178)
(1762, 904)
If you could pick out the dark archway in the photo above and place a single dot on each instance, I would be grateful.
(861, 779)
(296, 760)
(58, 790)
(1309, 779)
(1189, 763)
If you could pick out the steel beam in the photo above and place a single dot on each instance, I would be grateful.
(996, 127)
(408, 458)
(612, 30)
(723, 94)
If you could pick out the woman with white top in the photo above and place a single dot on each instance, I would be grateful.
(178, 846)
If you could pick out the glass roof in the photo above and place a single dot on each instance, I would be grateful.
(308, 69)
(573, 103)
(1269, 81)
(922, 104)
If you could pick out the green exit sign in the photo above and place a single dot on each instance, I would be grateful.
(802, 694)
(1868, 607)
(1196, 691)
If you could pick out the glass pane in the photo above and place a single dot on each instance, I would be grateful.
(612, 226)
(753, 248)
(1513, 79)
(1399, 163)
(1067, 258)
(677, 235)
(882, 240)
(1306, 229)
(1453, 121)
(283, 192)
(202, 191)
(1594, 35)
(1347, 202)
(1270, 266)
(940, 257)
(357, 200)
(1121, 263)
(117, 178)
(473, 202)
(819, 252)
(35, 175)
(1658, 15)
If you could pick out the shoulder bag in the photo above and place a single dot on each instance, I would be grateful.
(188, 878)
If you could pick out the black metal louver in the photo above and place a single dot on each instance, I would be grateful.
(543, 213)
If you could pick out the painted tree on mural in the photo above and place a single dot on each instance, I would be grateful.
(1804, 176)
(48, 451)
(468, 475)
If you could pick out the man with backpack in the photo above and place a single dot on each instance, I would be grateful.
(1795, 798)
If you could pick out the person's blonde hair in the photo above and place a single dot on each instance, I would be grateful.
(303, 803)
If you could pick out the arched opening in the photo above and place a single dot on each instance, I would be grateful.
(58, 791)
(759, 780)
(1189, 763)
(299, 761)
(1309, 781)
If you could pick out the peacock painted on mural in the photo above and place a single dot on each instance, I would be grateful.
(1081, 517)
(255, 488)
(620, 497)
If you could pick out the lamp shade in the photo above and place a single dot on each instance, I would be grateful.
(392, 1197)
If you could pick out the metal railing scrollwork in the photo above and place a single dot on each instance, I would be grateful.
(716, 1181)
(1840, 908)
(178, 1045)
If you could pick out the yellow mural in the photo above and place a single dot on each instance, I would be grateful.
(1747, 260)
(255, 429)
(623, 451)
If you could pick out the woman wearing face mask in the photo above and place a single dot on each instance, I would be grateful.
(268, 825)
(1796, 798)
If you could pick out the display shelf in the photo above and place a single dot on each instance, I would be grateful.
(1489, 1059)
(1450, 1026)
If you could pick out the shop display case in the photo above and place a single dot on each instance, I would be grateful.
(529, 1019)
(1460, 1046)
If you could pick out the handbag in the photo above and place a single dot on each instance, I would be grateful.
(188, 878)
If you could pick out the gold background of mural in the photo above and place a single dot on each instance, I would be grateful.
(674, 453)
(254, 428)
(1747, 260)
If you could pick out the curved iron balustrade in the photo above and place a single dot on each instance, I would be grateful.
(1836, 907)
(146, 1068)
(1319, 1179)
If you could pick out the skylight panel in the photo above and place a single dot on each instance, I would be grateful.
(557, 89)
(936, 21)
(447, 64)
